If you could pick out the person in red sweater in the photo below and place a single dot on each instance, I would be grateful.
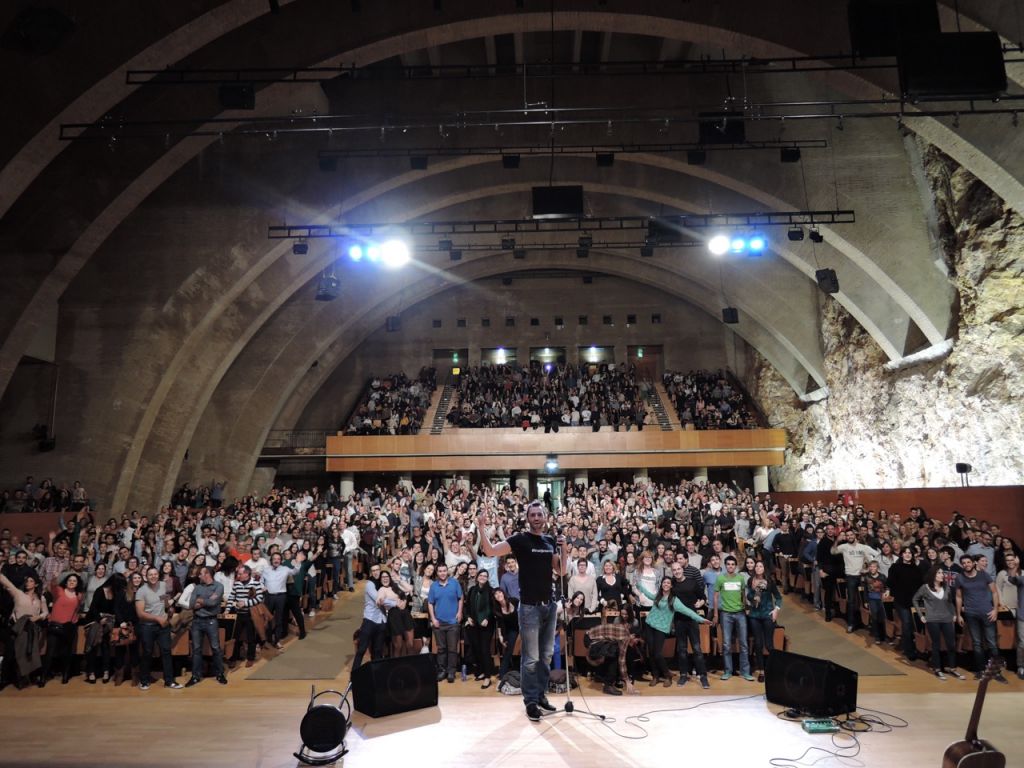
(62, 628)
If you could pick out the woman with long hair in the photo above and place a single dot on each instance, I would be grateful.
(936, 607)
(169, 579)
(97, 580)
(62, 628)
(506, 612)
(480, 625)
(29, 617)
(126, 619)
(659, 626)
(764, 601)
(400, 624)
(98, 648)
(647, 576)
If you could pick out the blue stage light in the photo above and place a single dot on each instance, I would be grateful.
(355, 252)
(738, 245)
(756, 244)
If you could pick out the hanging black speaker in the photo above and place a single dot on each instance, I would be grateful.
(827, 280)
(389, 686)
(730, 315)
(953, 65)
(816, 687)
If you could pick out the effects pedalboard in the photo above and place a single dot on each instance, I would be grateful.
(820, 725)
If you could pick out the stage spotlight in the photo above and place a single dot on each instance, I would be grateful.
(756, 244)
(551, 464)
(795, 234)
(327, 286)
(394, 254)
(355, 252)
(511, 162)
(815, 235)
(718, 244)
(508, 243)
(300, 248)
(323, 730)
(373, 253)
(738, 244)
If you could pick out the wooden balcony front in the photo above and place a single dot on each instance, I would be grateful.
(580, 448)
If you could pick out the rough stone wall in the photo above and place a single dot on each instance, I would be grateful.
(882, 428)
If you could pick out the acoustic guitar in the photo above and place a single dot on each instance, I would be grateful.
(973, 752)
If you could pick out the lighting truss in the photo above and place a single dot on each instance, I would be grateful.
(688, 67)
(115, 128)
(566, 149)
(597, 224)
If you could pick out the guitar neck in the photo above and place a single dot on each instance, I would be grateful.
(979, 702)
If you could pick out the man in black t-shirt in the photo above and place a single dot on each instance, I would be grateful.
(538, 555)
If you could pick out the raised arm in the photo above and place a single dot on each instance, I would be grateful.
(679, 607)
(498, 549)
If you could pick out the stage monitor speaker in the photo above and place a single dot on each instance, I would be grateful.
(817, 687)
(558, 202)
(951, 65)
(389, 686)
(879, 27)
(827, 280)
(722, 128)
(240, 96)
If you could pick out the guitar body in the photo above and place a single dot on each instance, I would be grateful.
(973, 754)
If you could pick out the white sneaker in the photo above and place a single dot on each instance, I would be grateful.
(312, 614)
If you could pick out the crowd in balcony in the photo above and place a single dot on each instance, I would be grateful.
(708, 400)
(394, 405)
(44, 496)
(550, 396)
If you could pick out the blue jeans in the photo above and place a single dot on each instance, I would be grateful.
(335, 575)
(506, 656)
(876, 608)
(735, 622)
(981, 628)
(209, 628)
(537, 629)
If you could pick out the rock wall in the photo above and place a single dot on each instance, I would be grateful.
(886, 428)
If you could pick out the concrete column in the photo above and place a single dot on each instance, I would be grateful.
(581, 477)
(760, 479)
(641, 476)
(405, 481)
(522, 480)
(346, 485)
(700, 475)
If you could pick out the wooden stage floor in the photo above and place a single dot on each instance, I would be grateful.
(256, 723)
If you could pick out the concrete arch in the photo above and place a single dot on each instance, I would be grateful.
(175, 407)
(293, 383)
(32, 158)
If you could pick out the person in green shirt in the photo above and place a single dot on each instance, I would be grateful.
(728, 609)
(659, 626)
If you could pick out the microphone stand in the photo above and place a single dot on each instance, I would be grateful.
(569, 708)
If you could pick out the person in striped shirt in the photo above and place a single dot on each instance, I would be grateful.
(246, 593)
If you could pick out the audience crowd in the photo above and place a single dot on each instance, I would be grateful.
(708, 400)
(44, 496)
(646, 561)
(551, 396)
(394, 405)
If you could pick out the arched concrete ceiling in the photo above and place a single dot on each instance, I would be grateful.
(66, 206)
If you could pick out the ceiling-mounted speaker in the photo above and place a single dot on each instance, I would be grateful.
(558, 202)
(722, 128)
(730, 315)
(963, 468)
(237, 96)
(953, 65)
(327, 163)
(393, 323)
(881, 27)
(827, 280)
